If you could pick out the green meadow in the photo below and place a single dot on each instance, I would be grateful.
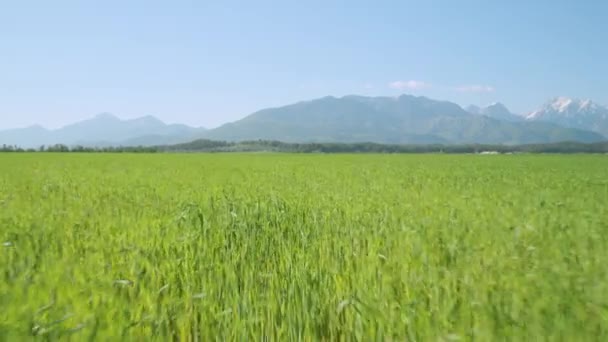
(303, 247)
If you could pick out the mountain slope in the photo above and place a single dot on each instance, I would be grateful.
(404, 120)
(568, 112)
(348, 119)
(103, 130)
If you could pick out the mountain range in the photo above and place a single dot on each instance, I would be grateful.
(398, 120)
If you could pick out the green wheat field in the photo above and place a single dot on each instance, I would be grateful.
(303, 247)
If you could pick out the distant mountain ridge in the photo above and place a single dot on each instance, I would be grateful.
(103, 130)
(387, 120)
(495, 110)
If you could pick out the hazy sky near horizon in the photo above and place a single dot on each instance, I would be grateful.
(204, 63)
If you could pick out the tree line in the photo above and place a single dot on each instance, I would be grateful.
(61, 148)
(204, 145)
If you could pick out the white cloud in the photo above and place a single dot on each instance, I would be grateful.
(411, 85)
(475, 89)
(368, 86)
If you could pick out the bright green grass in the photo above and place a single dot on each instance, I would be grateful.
(241, 247)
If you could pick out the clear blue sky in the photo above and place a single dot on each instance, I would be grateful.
(209, 62)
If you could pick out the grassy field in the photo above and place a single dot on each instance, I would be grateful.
(367, 247)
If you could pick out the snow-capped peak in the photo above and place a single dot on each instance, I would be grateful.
(587, 104)
(575, 113)
(564, 106)
(561, 103)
